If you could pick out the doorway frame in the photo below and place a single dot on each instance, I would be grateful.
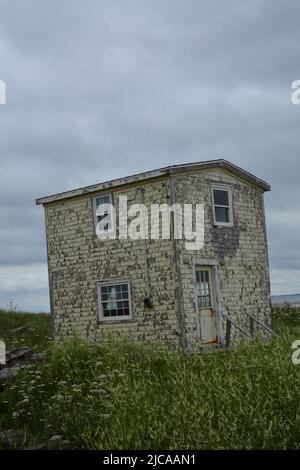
(215, 272)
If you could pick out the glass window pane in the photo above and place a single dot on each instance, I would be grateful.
(104, 217)
(203, 289)
(221, 197)
(222, 214)
(102, 200)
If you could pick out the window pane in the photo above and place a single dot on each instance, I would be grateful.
(203, 291)
(106, 216)
(222, 214)
(102, 200)
(112, 304)
(221, 197)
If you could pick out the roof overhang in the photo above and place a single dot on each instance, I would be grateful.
(166, 171)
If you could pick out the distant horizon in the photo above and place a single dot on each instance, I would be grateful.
(36, 309)
(284, 295)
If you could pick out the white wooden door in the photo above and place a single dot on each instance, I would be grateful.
(205, 304)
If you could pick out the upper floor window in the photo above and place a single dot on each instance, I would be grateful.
(222, 201)
(103, 212)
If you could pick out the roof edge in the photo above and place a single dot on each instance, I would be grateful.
(165, 171)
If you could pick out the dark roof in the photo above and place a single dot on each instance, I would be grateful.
(166, 171)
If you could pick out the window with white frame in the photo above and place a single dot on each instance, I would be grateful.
(114, 301)
(222, 201)
(103, 213)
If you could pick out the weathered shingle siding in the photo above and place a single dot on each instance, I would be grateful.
(78, 260)
(241, 251)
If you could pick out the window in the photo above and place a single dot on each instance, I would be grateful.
(203, 290)
(222, 200)
(114, 301)
(104, 213)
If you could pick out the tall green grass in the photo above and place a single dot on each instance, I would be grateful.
(137, 396)
(286, 320)
(36, 333)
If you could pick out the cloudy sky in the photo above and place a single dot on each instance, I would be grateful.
(105, 88)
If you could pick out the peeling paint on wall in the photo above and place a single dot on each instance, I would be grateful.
(78, 260)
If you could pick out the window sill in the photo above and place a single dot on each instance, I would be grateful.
(114, 321)
(220, 224)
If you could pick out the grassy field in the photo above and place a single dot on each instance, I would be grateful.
(286, 320)
(36, 333)
(135, 396)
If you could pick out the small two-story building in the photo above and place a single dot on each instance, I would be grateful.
(157, 289)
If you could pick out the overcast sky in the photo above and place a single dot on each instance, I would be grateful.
(101, 89)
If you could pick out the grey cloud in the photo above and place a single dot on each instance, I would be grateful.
(105, 89)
